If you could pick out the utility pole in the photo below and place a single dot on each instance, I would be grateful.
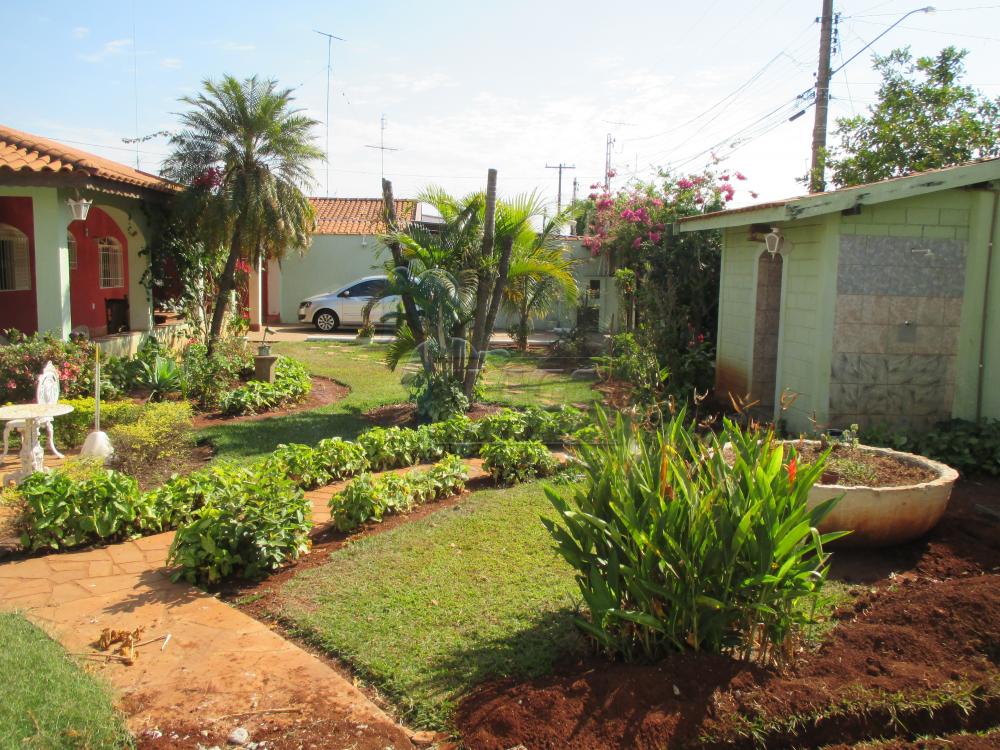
(607, 163)
(381, 145)
(817, 183)
(329, 70)
(574, 189)
(560, 167)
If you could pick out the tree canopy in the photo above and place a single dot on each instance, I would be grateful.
(924, 118)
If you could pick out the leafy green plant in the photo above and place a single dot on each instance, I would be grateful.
(80, 503)
(251, 523)
(679, 543)
(291, 384)
(970, 447)
(394, 447)
(512, 461)
(160, 378)
(550, 427)
(505, 424)
(438, 396)
(369, 498)
(162, 434)
(331, 459)
(458, 435)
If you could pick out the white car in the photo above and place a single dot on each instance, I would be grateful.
(345, 306)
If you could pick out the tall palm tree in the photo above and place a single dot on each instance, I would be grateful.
(245, 143)
(540, 276)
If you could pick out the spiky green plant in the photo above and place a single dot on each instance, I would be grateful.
(680, 542)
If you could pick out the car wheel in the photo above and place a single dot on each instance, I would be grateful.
(326, 321)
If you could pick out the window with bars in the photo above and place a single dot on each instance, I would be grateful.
(71, 244)
(15, 268)
(112, 267)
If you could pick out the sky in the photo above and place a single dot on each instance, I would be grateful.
(465, 86)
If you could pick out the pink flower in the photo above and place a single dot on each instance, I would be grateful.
(654, 237)
(657, 202)
(699, 199)
(592, 196)
(740, 176)
(753, 194)
(637, 243)
(724, 178)
(612, 173)
(685, 184)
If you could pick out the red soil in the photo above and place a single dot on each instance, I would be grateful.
(927, 616)
(324, 391)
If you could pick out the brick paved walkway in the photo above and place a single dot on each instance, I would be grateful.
(218, 661)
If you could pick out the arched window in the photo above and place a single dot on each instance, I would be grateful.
(15, 267)
(71, 245)
(109, 251)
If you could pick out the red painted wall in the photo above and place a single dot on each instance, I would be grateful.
(86, 296)
(19, 309)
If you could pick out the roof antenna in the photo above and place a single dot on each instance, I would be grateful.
(381, 144)
(329, 69)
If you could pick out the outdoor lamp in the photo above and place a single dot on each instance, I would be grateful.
(80, 207)
(774, 241)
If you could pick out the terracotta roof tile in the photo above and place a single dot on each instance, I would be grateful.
(20, 152)
(357, 215)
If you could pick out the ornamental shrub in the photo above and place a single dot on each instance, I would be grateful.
(511, 461)
(683, 544)
(506, 424)
(370, 498)
(206, 379)
(22, 360)
(160, 436)
(251, 523)
(72, 429)
(80, 503)
(291, 385)
(458, 435)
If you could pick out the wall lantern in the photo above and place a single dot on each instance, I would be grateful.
(774, 241)
(80, 208)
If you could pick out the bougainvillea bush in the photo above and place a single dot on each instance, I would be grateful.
(22, 360)
(669, 288)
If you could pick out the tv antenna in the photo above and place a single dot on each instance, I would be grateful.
(329, 70)
(381, 145)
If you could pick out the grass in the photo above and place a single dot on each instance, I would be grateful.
(434, 607)
(519, 382)
(48, 701)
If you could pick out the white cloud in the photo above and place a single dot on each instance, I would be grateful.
(110, 49)
(79, 32)
(231, 46)
(170, 63)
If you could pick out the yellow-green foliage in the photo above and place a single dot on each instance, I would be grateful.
(72, 429)
(162, 433)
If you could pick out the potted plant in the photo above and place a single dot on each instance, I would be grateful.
(264, 348)
(366, 332)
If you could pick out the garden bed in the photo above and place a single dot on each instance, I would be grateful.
(849, 466)
(920, 642)
(324, 392)
(405, 415)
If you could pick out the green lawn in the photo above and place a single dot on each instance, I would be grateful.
(48, 701)
(518, 382)
(434, 607)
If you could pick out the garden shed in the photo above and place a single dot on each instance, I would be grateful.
(877, 304)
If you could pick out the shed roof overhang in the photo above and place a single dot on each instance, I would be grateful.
(808, 206)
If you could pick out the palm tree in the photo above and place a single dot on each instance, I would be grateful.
(541, 276)
(245, 143)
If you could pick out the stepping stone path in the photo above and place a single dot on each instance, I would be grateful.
(220, 669)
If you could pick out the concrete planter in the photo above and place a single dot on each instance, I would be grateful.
(883, 516)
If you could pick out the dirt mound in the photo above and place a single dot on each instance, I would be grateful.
(931, 620)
